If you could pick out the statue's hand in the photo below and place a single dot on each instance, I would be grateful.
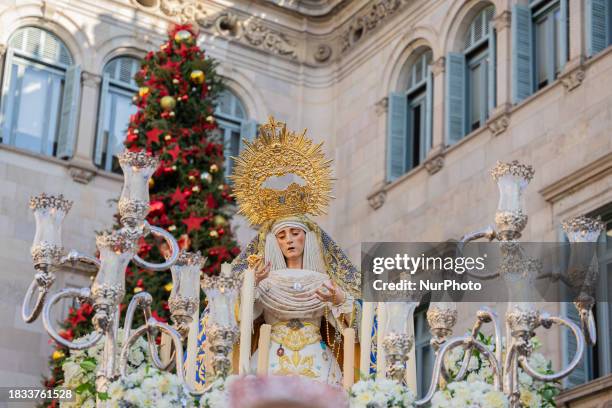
(330, 292)
(262, 272)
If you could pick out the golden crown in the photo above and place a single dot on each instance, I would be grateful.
(276, 152)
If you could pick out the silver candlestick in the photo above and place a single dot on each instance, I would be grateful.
(522, 318)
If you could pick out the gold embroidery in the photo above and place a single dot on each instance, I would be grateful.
(295, 335)
(297, 365)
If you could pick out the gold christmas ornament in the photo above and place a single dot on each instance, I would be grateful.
(219, 220)
(172, 228)
(197, 76)
(168, 137)
(191, 178)
(168, 102)
(143, 91)
(137, 289)
(195, 189)
(168, 287)
(213, 234)
(274, 153)
(57, 354)
(175, 81)
(183, 36)
(213, 168)
(210, 119)
(151, 182)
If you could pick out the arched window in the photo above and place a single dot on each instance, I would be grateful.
(410, 113)
(40, 94)
(540, 45)
(234, 125)
(470, 76)
(116, 107)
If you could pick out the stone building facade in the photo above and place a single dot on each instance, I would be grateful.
(471, 81)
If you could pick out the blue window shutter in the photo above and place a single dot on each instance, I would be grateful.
(455, 97)
(492, 80)
(563, 33)
(5, 99)
(522, 53)
(397, 134)
(101, 124)
(68, 115)
(597, 29)
(429, 112)
(248, 130)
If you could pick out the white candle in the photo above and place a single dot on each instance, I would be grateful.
(349, 358)
(365, 337)
(247, 295)
(263, 358)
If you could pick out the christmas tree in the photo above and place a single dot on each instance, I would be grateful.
(189, 196)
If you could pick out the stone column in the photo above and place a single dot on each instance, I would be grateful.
(577, 45)
(573, 73)
(503, 59)
(500, 116)
(435, 157)
(81, 166)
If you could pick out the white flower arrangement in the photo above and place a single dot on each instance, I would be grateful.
(534, 394)
(476, 394)
(380, 393)
(218, 395)
(81, 366)
(148, 387)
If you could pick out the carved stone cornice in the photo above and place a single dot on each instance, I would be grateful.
(434, 160)
(499, 120)
(252, 31)
(502, 20)
(81, 170)
(184, 10)
(364, 22)
(438, 66)
(596, 170)
(377, 197)
(382, 106)
(90, 79)
(573, 77)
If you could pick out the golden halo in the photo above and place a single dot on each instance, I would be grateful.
(274, 153)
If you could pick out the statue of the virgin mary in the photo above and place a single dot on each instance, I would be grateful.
(297, 280)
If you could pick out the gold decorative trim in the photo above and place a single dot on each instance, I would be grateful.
(274, 153)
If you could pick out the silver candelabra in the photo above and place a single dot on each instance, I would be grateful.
(117, 249)
(521, 319)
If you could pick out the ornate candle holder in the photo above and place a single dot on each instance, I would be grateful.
(583, 232)
(398, 340)
(522, 318)
(221, 328)
(117, 249)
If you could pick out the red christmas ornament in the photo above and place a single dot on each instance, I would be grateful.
(153, 135)
(156, 206)
(193, 222)
(174, 152)
(210, 201)
(177, 197)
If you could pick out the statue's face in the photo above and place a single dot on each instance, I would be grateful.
(291, 242)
